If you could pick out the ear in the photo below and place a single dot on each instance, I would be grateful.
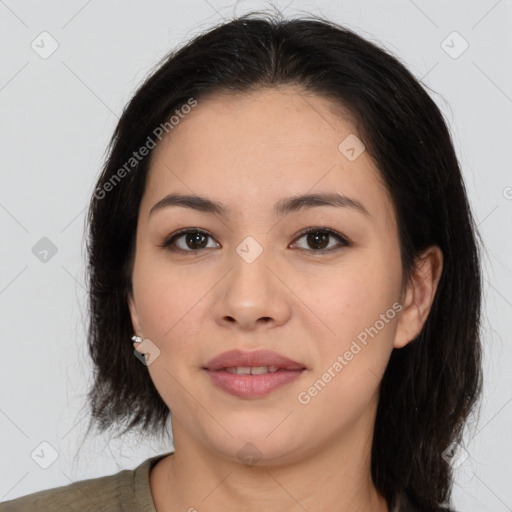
(134, 315)
(420, 294)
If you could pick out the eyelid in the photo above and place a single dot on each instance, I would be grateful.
(170, 239)
(332, 232)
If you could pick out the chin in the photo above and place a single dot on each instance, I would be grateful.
(259, 450)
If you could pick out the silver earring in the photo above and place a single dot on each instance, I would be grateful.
(136, 339)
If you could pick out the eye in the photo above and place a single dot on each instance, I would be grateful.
(187, 240)
(196, 239)
(318, 238)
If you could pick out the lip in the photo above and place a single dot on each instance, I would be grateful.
(252, 358)
(252, 386)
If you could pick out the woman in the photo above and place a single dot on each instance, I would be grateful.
(281, 253)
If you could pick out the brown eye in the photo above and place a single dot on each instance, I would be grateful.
(188, 240)
(318, 239)
(194, 240)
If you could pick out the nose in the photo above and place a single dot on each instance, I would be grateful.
(252, 296)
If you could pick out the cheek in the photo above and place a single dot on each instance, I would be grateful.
(172, 309)
(352, 299)
(358, 309)
(164, 294)
(168, 309)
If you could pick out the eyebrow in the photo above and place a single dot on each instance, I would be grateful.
(281, 208)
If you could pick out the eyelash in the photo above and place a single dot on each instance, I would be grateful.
(167, 243)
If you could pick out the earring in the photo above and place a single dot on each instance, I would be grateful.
(136, 339)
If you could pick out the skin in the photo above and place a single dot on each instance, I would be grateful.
(248, 152)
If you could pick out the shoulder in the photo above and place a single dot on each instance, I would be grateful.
(102, 494)
(126, 490)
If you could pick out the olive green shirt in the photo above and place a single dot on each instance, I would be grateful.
(126, 491)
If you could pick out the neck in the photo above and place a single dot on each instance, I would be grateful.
(335, 476)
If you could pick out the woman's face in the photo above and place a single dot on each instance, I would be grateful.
(254, 281)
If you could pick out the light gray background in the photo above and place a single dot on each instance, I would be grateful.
(57, 115)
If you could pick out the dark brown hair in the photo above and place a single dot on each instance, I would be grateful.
(431, 385)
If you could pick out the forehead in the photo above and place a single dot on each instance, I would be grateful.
(248, 150)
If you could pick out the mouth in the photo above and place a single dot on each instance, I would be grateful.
(252, 374)
(258, 360)
(254, 370)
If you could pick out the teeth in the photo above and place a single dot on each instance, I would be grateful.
(259, 370)
(252, 370)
